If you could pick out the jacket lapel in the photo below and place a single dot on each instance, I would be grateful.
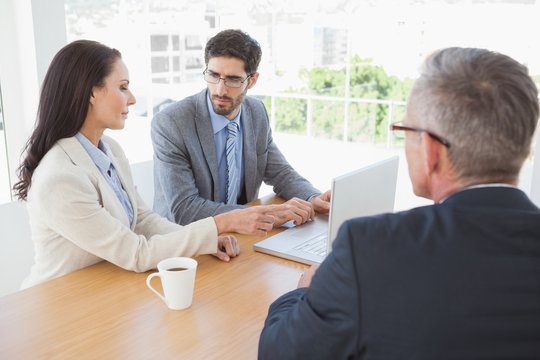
(250, 152)
(124, 174)
(205, 133)
(80, 157)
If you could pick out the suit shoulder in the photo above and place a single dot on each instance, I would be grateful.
(181, 113)
(390, 222)
(372, 236)
(254, 102)
(256, 112)
(185, 105)
(54, 171)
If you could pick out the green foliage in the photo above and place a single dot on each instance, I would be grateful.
(362, 120)
(367, 122)
(328, 119)
(291, 121)
(325, 81)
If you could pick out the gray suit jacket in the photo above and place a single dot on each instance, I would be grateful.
(185, 160)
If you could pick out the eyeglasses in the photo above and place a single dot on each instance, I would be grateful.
(399, 127)
(232, 82)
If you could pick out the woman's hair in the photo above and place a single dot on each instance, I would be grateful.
(236, 44)
(64, 101)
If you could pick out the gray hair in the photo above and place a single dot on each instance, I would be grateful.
(485, 104)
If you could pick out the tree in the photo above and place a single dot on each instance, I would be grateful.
(290, 115)
(367, 121)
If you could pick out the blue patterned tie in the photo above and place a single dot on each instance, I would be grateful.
(232, 174)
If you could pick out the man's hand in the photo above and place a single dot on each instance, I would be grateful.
(227, 248)
(258, 220)
(321, 203)
(295, 209)
(255, 220)
(305, 278)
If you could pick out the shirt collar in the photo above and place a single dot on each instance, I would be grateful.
(220, 121)
(100, 154)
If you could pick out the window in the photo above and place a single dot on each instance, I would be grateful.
(331, 72)
(5, 185)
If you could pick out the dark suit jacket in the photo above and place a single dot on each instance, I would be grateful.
(457, 280)
(185, 160)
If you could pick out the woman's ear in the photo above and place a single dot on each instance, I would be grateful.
(92, 98)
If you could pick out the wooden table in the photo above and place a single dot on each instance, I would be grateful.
(106, 312)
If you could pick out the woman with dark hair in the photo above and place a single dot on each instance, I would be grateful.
(82, 203)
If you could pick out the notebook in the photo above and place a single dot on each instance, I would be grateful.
(366, 191)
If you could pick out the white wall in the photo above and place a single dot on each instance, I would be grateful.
(23, 64)
(16, 247)
(49, 32)
(18, 76)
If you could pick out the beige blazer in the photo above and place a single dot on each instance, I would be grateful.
(77, 220)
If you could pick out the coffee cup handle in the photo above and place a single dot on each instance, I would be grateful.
(149, 279)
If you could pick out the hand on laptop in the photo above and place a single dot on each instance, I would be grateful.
(255, 220)
(258, 220)
(305, 278)
(295, 209)
(321, 203)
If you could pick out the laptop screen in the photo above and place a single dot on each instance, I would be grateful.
(369, 190)
(375, 185)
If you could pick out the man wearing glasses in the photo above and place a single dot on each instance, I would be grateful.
(213, 150)
(459, 279)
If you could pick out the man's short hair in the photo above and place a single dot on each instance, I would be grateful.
(237, 44)
(485, 104)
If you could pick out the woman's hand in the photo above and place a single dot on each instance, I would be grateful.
(227, 248)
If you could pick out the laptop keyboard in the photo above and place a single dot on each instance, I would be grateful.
(316, 245)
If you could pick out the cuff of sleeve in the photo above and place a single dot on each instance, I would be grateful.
(208, 230)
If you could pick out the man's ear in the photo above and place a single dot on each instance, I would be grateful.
(253, 80)
(431, 149)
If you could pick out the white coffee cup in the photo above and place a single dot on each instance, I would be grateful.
(178, 281)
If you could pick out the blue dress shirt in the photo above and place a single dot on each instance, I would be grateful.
(101, 156)
(219, 125)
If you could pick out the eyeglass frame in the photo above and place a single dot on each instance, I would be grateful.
(225, 80)
(397, 127)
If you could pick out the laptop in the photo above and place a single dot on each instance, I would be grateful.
(366, 191)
